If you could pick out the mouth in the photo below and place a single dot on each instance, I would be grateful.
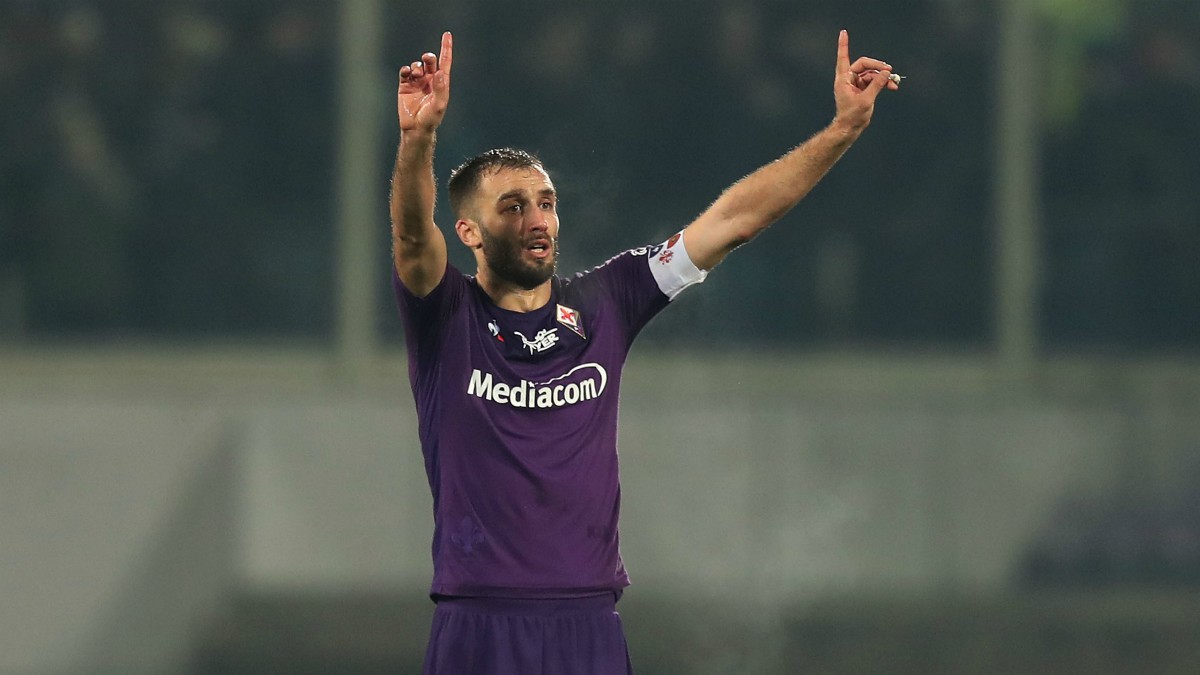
(540, 248)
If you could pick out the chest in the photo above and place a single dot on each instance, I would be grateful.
(560, 365)
(556, 332)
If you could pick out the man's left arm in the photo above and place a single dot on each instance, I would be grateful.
(750, 205)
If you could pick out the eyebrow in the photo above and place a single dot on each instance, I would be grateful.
(520, 194)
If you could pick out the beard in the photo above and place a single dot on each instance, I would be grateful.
(504, 256)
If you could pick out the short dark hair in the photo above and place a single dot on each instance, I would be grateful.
(465, 179)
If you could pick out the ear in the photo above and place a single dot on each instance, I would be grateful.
(468, 233)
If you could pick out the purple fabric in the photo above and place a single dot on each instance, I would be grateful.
(495, 636)
(517, 417)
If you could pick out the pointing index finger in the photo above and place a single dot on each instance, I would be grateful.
(843, 53)
(447, 55)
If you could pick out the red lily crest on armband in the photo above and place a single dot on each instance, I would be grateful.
(667, 254)
(570, 318)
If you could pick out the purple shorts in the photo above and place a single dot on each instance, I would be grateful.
(494, 636)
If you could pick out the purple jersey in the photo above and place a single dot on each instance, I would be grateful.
(517, 417)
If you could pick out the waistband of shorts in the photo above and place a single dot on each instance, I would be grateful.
(604, 602)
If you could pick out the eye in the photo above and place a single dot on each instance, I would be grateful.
(515, 208)
(547, 206)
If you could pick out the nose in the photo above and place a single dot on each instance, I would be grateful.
(538, 221)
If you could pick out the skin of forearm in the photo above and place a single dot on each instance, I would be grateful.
(763, 197)
(414, 190)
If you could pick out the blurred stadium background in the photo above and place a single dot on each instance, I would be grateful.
(943, 418)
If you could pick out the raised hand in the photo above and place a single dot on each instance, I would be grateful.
(856, 85)
(424, 90)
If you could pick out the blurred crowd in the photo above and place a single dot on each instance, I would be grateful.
(168, 167)
(1122, 213)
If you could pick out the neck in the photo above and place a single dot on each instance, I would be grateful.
(513, 298)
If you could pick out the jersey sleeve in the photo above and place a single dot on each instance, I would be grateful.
(424, 318)
(643, 281)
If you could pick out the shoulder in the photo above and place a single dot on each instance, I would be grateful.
(665, 266)
(447, 296)
(628, 263)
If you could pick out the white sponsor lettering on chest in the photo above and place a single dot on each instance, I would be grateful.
(584, 382)
(545, 339)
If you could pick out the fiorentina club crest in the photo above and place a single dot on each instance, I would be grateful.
(570, 318)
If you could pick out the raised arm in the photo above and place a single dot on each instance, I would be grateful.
(748, 206)
(418, 247)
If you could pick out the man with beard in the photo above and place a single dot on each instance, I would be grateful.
(516, 374)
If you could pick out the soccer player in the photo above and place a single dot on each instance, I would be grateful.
(516, 371)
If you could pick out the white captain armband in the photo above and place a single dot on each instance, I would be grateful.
(672, 268)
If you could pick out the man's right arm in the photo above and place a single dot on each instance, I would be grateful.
(418, 247)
